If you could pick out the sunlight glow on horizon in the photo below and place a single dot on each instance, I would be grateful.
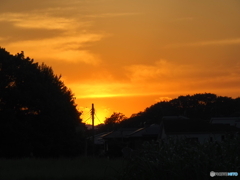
(124, 56)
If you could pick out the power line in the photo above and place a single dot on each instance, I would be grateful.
(98, 118)
(85, 116)
(86, 120)
(93, 113)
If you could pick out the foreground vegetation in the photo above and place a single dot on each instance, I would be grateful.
(174, 160)
(183, 160)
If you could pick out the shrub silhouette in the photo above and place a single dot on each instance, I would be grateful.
(182, 160)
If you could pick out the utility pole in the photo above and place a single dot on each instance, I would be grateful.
(93, 113)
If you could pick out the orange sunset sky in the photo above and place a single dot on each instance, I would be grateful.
(125, 55)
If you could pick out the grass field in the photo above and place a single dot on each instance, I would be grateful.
(89, 168)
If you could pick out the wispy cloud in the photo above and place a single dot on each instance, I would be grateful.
(69, 45)
(217, 42)
(100, 90)
(106, 15)
(61, 48)
(184, 19)
(41, 21)
(206, 43)
(143, 73)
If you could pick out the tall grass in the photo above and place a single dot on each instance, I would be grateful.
(183, 161)
(89, 168)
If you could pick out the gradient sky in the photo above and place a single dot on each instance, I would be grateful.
(125, 55)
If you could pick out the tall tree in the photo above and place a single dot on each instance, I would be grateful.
(114, 120)
(38, 114)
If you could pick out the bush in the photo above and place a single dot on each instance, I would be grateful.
(182, 160)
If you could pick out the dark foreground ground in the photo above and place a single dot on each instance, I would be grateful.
(87, 168)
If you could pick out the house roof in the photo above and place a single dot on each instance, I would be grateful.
(225, 120)
(152, 130)
(120, 133)
(182, 125)
(174, 117)
(98, 137)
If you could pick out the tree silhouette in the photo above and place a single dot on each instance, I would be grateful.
(37, 111)
(114, 120)
(198, 106)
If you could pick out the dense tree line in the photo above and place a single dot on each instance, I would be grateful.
(198, 106)
(38, 114)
